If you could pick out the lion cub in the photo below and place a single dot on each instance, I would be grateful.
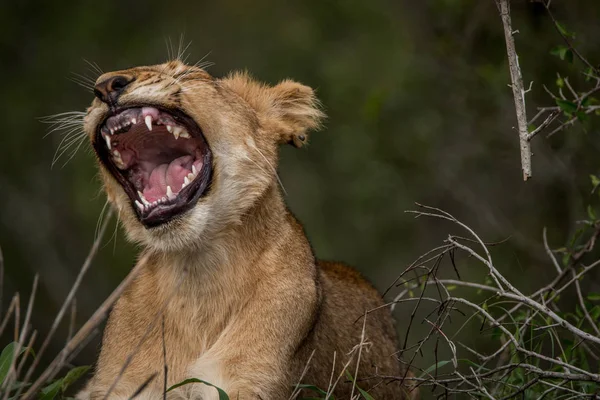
(229, 285)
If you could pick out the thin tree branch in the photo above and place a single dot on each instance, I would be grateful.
(517, 88)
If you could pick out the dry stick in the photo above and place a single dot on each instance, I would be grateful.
(24, 358)
(143, 386)
(84, 268)
(297, 388)
(517, 88)
(359, 354)
(12, 372)
(72, 320)
(14, 303)
(85, 331)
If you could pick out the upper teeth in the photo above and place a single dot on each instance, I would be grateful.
(149, 120)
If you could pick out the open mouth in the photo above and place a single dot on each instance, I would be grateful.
(159, 157)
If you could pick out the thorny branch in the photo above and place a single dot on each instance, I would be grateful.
(541, 351)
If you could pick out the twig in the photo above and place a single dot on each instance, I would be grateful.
(70, 296)
(517, 88)
(85, 331)
(566, 40)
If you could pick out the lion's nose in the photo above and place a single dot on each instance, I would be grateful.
(108, 89)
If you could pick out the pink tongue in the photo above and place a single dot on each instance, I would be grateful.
(167, 174)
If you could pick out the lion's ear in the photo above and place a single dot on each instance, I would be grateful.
(288, 110)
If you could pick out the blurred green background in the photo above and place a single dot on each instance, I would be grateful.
(418, 110)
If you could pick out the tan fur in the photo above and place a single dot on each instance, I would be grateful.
(244, 302)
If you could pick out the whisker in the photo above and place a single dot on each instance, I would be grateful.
(65, 146)
(169, 45)
(116, 232)
(84, 78)
(74, 152)
(100, 219)
(182, 50)
(94, 66)
(70, 126)
(64, 126)
(84, 85)
(272, 168)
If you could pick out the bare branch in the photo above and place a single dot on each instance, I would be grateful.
(517, 88)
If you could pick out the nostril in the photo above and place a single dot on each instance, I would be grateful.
(119, 83)
(108, 90)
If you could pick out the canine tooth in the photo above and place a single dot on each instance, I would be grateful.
(148, 121)
(170, 128)
(146, 202)
(170, 193)
(184, 134)
(139, 205)
(176, 132)
(107, 138)
(117, 159)
(194, 171)
(133, 121)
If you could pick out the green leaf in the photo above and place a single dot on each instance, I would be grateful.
(567, 106)
(314, 389)
(565, 54)
(591, 212)
(73, 375)
(50, 391)
(581, 115)
(564, 31)
(569, 56)
(222, 394)
(433, 367)
(364, 393)
(595, 180)
(6, 358)
(593, 296)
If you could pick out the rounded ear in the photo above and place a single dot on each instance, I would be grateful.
(287, 110)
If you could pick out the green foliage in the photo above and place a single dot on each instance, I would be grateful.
(56, 390)
(6, 359)
(564, 53)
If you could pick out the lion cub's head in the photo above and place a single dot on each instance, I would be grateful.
(183, 154)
